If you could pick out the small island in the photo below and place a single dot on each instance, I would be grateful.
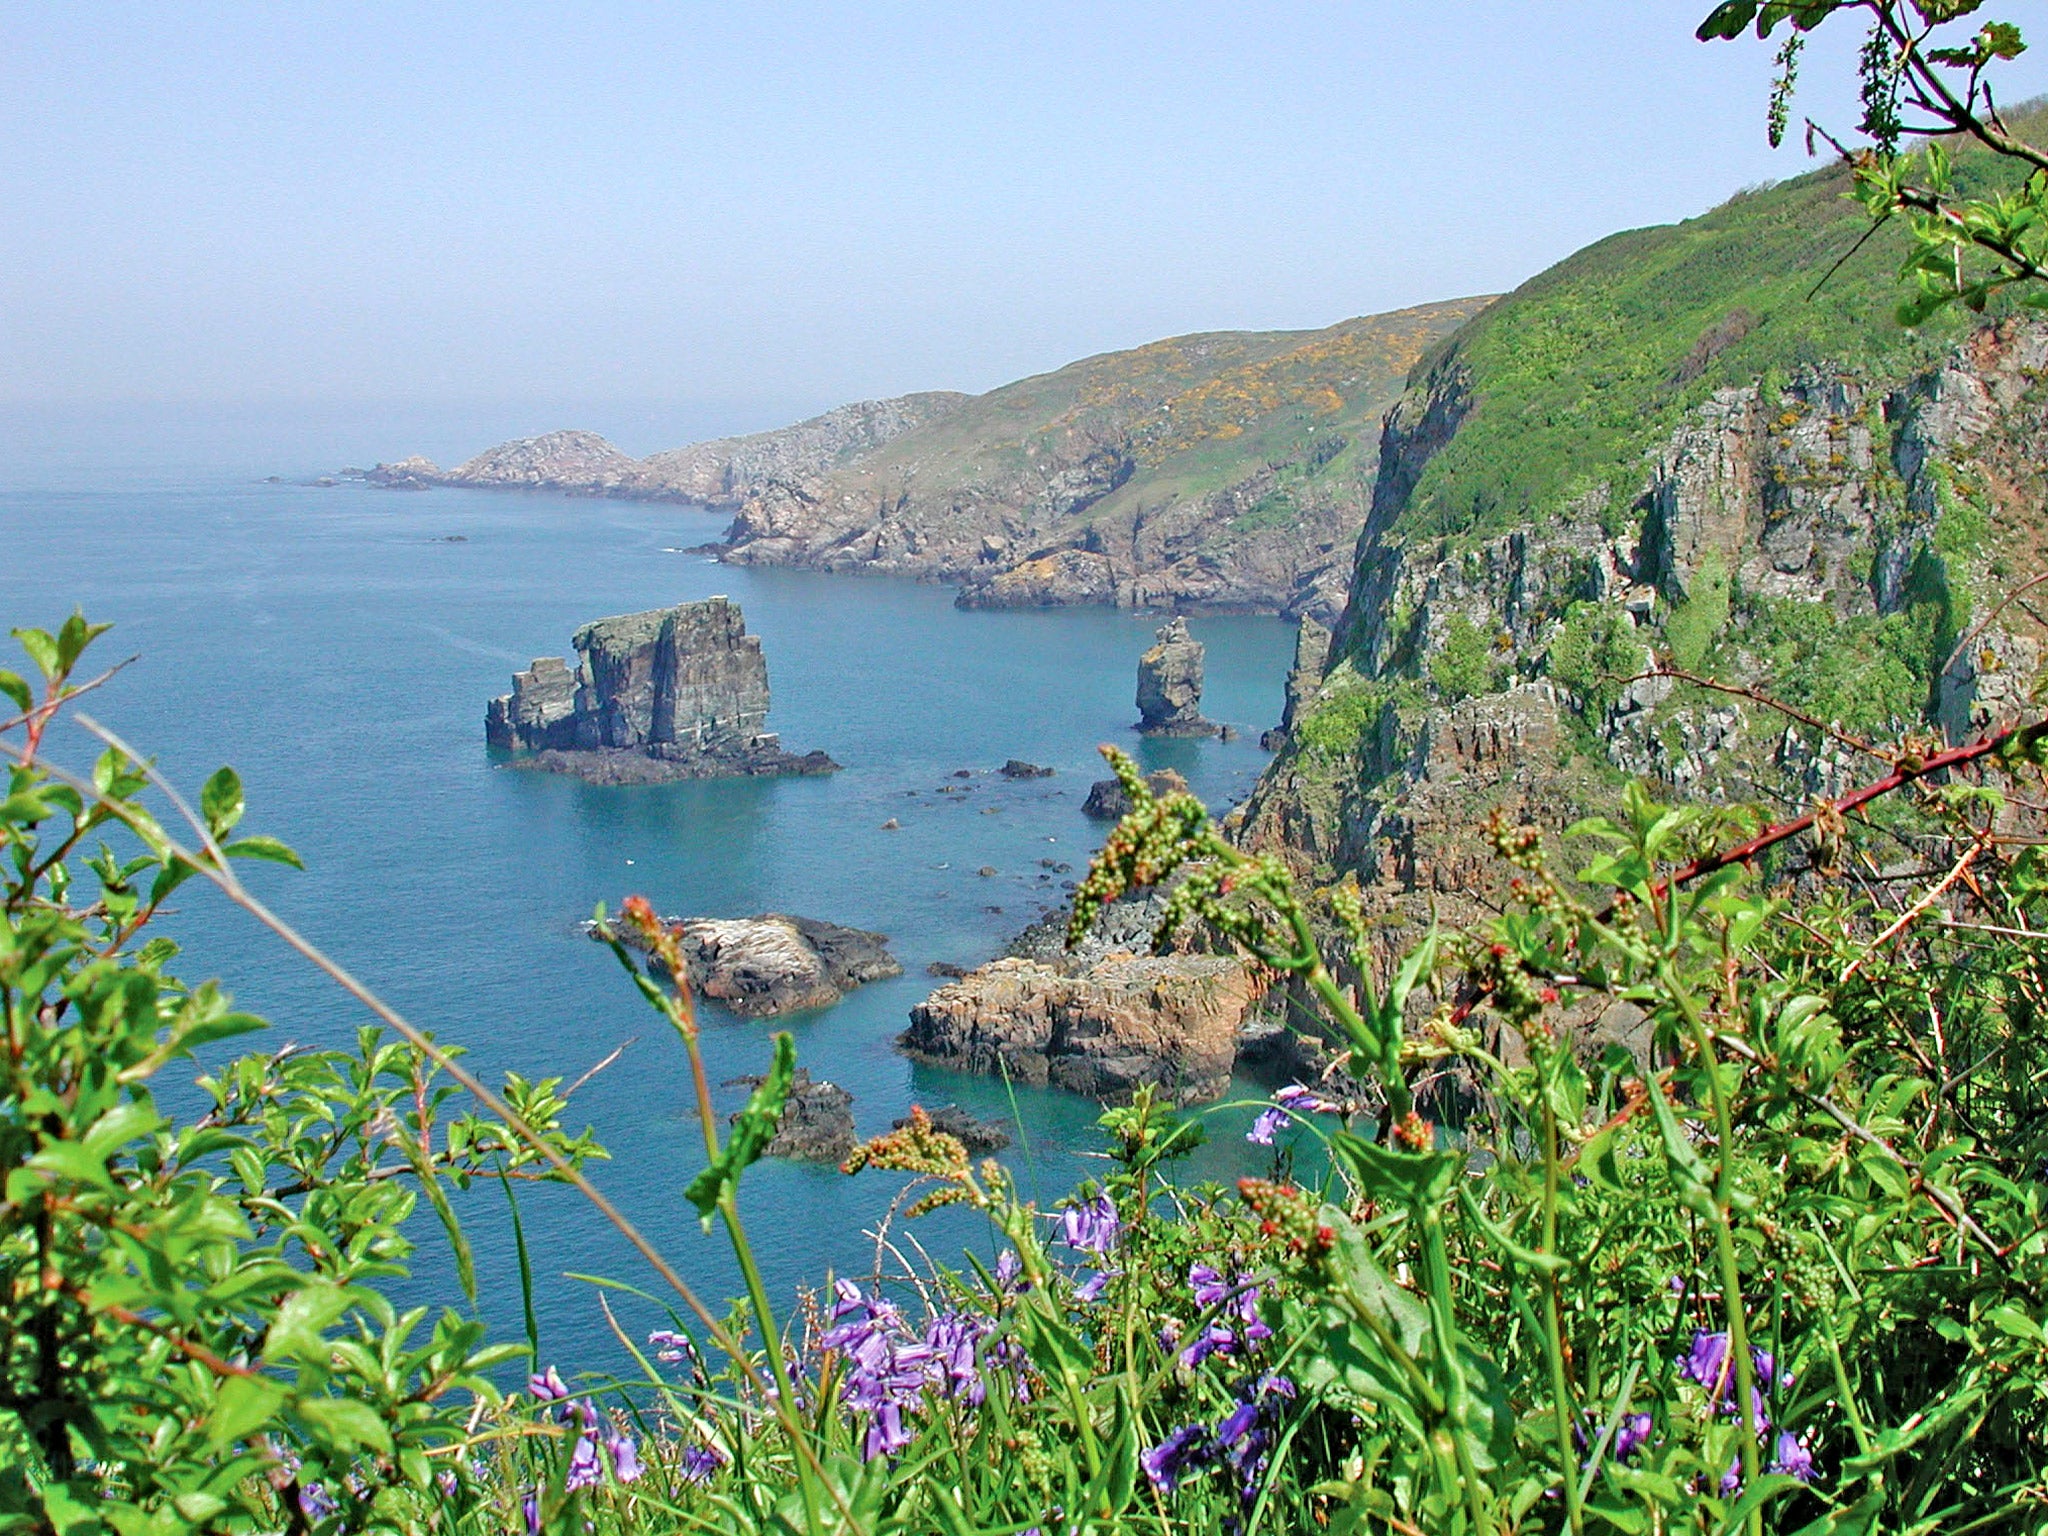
(672, 693)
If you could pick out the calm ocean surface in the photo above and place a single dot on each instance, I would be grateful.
(337, 645)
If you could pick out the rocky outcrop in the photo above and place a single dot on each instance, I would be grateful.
(1107, 801)
(1170, 684)
(774, 964)
(1223, 471)
(979, 1137)
(1778, 519)
(1171, 1021)
(816, 1123)
(672, 693)
(1311, 656)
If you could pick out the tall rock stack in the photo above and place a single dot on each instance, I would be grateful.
(672, 693)
(1170, 684)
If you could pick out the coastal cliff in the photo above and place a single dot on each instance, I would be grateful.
(672, 693)
(1220, 471)
(1662, 455)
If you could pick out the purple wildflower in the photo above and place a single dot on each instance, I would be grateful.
(547, 1386)
(530, 1507)
(1237, 1424)
(672, 1347)
(1270, 1123)
(1166, 1462)
(886, 1366)
(886, 1433)
(1213, 1340)
(1631, 1435)
(1731, 1480)
(951, 1338)
(1303, 1101)
(1247, 1309)
(1091, 1288)
(315, 1502)
(1091, 1228)
(583, 1467)
(1794, 1457)
(1207, 1286)
(625, 1457)
(1707, 1362)
(701, 1462)
(1010, 1271)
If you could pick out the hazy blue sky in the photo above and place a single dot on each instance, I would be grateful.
(770, 207)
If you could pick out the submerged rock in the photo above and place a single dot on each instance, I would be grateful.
(979, 1137)
(672, 693)
(1168, 1020)
(1107, 801)
(1170, 684)
(774, 963)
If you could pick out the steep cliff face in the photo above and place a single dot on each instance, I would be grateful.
(671, 693)
(1826, 538)
(1226, 470)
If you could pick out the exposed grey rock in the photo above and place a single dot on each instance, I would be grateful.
(816, 1123)
(672, 693)
(1311, 655)
(1170, 684)
(774, 963)
(1017, 768)
(1107, 801)
(979, 1137)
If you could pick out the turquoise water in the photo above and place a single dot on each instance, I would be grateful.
(337, 645)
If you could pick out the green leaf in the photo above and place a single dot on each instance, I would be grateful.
(347, 1421)
(41, 648)
(751, 1133)
(1727, 20)
(1411, 1179)
(220, 801)
(260, 846)
(298, 1330)
(16, 688)
(245, 1404)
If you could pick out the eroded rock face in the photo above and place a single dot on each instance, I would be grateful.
(1170, 684)
(1311, 656)
(774, 963)
(672, 693)
(1168, 1020)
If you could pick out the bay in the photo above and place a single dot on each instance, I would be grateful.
(337, 645)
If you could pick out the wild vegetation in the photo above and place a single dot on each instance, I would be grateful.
(1701, 1188)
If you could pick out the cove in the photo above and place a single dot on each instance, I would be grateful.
(338, 644)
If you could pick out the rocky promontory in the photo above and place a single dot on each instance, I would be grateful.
(672, 693)
(774, 963)
(1221, 471)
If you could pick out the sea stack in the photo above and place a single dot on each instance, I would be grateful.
(672, 693)
(1170, 684)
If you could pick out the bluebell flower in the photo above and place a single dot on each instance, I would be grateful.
(952, 1338)
(701, 1462)
(1166, 1462)
(547, 1386)
(1303, 1101)
(1009, 1270)
(672, 1347)
(1213, 1340)
(1237, 1424)
(1091, 1228)
(1270, 1123)
(1206, 1285)
(887, 1367)
(1091, 1287)
(1793, 1457)
(530, 1507)
(584, 1471)
(1631, 1435)
(315, 1502)
(1707, 1362)
(625, 1457)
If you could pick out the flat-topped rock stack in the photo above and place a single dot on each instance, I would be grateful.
(672, 693)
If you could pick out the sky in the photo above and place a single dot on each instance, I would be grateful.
(759, 210)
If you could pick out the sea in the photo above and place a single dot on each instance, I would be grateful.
(337, 645)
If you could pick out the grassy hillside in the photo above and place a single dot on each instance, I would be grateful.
(1586, 367)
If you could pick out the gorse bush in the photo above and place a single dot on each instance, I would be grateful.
(1663, 1202)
